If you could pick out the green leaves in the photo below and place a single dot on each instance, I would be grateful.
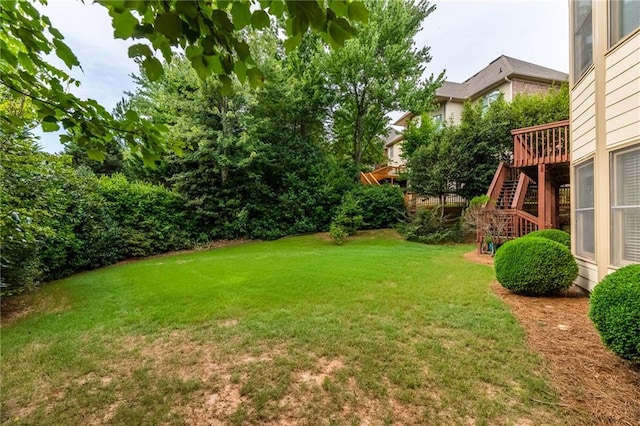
(241, 15)
(340, 31)
(212, 35)
(260, 20)
(169, 24)
(153, 68)
(138, 50)
(63, 52)
(357, 11)
(124, 23)
(50, 124)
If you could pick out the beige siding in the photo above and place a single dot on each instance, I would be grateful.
(454, 112)
(587, 274)
(505, 88)
(583, 118)
(438, 111)
(395, 158)
(622, 93)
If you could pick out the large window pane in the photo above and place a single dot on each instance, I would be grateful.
(624, 19)
(582, 37)
(625, 207)
(584, 213)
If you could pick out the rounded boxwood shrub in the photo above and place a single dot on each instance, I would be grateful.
(615, 311)
(535, 266)
(556, 235)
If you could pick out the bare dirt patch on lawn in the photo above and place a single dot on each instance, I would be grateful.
(588, 377)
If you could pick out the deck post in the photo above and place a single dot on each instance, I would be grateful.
(542, 195)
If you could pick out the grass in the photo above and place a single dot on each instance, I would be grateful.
(296, 330)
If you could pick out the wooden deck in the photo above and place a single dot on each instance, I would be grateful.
(381, 174)
(540, 155)
(545, 144)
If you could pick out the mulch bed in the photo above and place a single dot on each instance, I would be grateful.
(588, 377)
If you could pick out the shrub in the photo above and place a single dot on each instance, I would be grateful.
(337, 233)
(556, 235)
(430, 227)
(349, 215)
(535, 266)
(381, 206)
(615, 311)
(152, 218)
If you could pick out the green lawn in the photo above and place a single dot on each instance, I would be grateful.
(377, 331)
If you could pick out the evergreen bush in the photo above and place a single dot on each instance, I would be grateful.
(615, 311)
(535, 266)
(349, 215)
(556, 235)
(428, 226)
(381, 206)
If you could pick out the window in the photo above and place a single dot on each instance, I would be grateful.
(489, 99)
(391, 152)
(624, 17)
(585, 218)
(582, 37)
(625, 207)
(437, 120)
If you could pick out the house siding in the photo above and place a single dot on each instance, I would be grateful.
(395, 159)
(605, 117)
(454, 113)
(583, 118)
(505, 88)
(622, 93)
(587, 275)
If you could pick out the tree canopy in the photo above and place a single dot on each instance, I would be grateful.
(378, 71)
(211, 34)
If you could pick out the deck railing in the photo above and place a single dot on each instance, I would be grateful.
(545, 144)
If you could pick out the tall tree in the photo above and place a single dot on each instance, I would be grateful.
(378, 71)
(433, 159)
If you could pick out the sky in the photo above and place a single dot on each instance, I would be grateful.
(464, 36)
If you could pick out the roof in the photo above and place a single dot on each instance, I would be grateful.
(496, 72)
(393, 137)
(402, 120)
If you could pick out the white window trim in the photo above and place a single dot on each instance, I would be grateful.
(587, 255)
(616, 232)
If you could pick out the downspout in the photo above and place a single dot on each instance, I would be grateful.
(510, 86)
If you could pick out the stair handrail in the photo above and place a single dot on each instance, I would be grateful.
(521, 191)
(498, 180)
(527, 216)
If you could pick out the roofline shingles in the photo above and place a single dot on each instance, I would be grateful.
(502, 68)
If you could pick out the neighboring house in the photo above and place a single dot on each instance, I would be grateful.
(504, 75)
(393, 148)
(605, 134)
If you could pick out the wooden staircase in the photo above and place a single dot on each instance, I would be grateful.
(541, 162)
(384, 174)
(507, 194)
